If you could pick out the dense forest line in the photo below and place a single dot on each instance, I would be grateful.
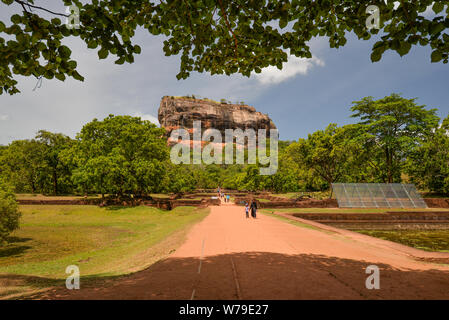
(393, 140)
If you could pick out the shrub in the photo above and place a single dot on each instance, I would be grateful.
(9, 212)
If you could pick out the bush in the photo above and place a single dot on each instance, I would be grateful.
(9, 212)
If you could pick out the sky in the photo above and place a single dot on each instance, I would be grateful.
(305, 96)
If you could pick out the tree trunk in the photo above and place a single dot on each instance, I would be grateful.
(389, 165)
(33, 186)
(55, 183)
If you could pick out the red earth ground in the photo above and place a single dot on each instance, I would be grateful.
(227, 256)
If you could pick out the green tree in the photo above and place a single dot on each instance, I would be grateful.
(21, 164)
(120, 155)
(233, 176)
(428, 165)
(324, 152)
(93, 175)
(9, 212)
(252, 180)
(389, 130)
(288, 176)
(219, 37)
(35, 165)
(179, 178)
(56, 171)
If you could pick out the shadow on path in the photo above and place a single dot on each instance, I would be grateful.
(260, 275)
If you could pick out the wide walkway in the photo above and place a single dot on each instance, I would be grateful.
(227, 256)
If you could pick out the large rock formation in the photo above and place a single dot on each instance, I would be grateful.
(181, 112)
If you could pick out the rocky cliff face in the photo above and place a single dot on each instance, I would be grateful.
(181, 112)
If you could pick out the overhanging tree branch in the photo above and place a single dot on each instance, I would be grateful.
(23, 3)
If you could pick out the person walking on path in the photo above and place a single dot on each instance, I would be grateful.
(247, 210)
(227, 198)
(253, 208)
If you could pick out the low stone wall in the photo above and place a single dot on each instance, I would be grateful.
(287, 203)
(382, 221)
(197, 203)
(198, 195)
(169, 204)
(388, 216)
(161, 203)
(388, 225)
(327, 203)
(278, 202)
(437, 202)
(273, 198)
(60, 202)
(214, 191)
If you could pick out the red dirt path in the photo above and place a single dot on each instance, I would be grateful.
(227, 256)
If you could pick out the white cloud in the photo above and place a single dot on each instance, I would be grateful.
(293, 67)
(148, 117)
(4, 117)
(134, 89)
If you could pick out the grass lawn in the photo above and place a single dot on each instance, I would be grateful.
(294, 195)
(160, 195)
(103, 242)
(296, 223)
(429, 240)
(346, 210)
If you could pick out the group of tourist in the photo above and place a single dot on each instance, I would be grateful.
(248, 207)
(225, 197)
